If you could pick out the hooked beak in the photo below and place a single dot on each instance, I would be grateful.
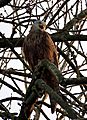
(41, 26)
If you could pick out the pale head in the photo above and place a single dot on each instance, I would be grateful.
(39, 25)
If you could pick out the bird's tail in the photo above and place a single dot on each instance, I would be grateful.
(53, 104)
(54, 84)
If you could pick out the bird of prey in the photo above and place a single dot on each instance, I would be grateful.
(37, 46)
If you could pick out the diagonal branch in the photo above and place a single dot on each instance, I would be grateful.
(11, 46)
(75, 20)
(50, 22)
(11, 87)
(43, 86)
(37, 86)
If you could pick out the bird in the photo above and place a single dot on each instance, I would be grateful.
(38, 45)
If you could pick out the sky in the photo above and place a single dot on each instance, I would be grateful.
(4, 91)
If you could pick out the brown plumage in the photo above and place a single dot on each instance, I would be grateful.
(37, 46)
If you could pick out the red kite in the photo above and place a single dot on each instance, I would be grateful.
(37, 46)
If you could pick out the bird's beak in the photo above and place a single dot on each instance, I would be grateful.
(41, 26)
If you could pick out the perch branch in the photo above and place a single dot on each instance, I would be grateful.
(43, 86)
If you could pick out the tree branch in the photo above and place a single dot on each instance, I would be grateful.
(11, 87)
(17, 42)
(11, 46)
(36, 87)
(43, 86)
(75, 81)
(75, 20)
(14, 72)
(4, 2)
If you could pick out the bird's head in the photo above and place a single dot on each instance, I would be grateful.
(39, 25)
